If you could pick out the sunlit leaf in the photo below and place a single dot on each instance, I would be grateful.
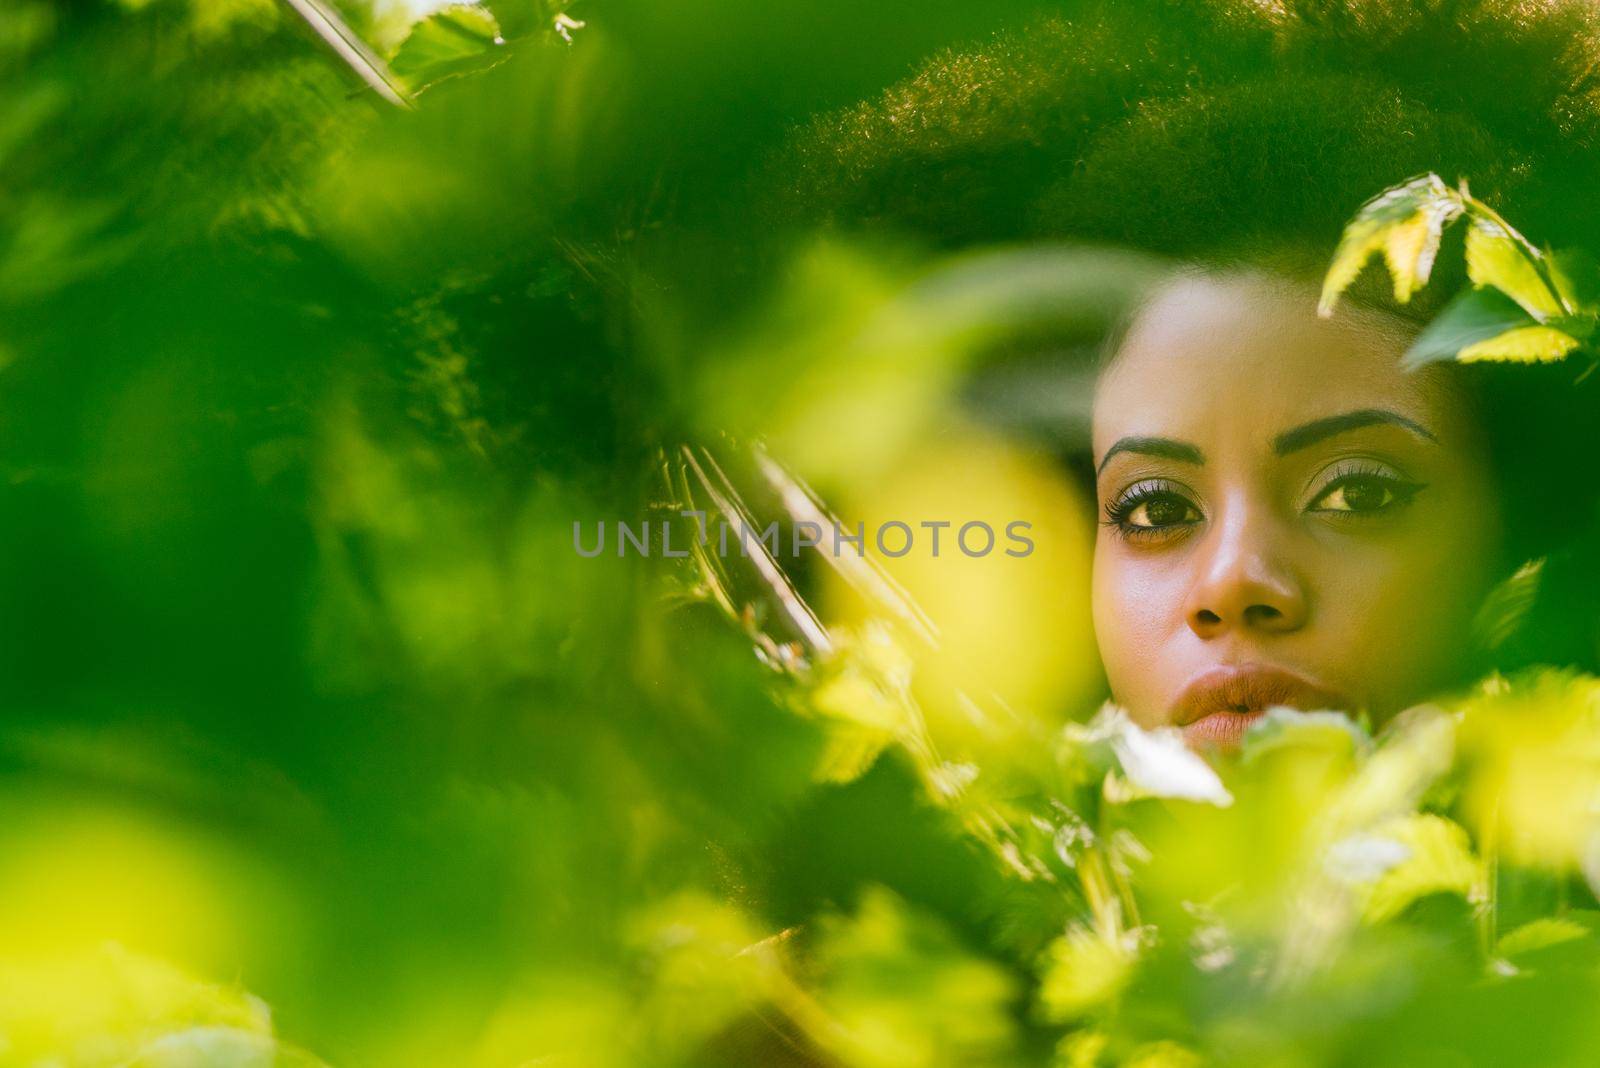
(115, 1007)
(1404, 225)
(565, 1017)
(849, 752)
(1498, 256)
(1282, 727)
(703, 973)
(1527, 344)
(1438, 859)
(452, 41)
(903, 993)
(1543, 933)
(861, 697)
(854, 696)
(1473, 316)
(1084, 970)
(1164, 1054)
(1081, 1049)
(1533, 746)
(1416, 749)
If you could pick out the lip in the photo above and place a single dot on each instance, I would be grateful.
(1220, 704)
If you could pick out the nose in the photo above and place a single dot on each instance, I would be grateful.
(1245, 581)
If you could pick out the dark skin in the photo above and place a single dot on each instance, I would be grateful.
(1276, 492)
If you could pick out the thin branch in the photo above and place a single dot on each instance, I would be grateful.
(371, 68)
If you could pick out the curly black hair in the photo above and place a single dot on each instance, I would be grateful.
(1246, 133)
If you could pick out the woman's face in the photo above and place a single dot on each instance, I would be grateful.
(1288, 518)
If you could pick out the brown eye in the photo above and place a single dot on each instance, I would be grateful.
(1357, 495)
(1364, 492)
(1152, 508)
(1163, 510)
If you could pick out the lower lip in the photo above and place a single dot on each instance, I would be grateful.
(1220, 730)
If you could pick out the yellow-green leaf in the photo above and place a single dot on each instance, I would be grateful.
(1164, 1054)
(1543, 933)
(1527, 344)
(1473, 315)
(1404, 224)
(451, 41)
(1409, 250)
(1085, 969)
(899, 990)
(1439, 860)
(1498, 256)
(849, 752)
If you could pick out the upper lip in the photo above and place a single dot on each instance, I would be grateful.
(1249, 688)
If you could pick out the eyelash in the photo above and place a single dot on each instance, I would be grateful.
(1345, 474)
(1118, 512)
(1355, 472)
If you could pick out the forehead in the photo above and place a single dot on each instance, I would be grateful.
(1216, 357)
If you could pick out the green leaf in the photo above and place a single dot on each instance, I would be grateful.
(452, 41)
(1083, 970)
(1507, 605)
(1473, 316)
(1498, 256)
(1539, 934)
(1404, 224)
(1288, 728)
(1527, 344)
(898, 987)
(1438, 860)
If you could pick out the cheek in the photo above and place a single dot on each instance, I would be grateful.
(1368, 596)
(1398, 612)
(1137, 602)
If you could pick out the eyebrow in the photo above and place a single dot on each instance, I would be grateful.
(1318, 429)
(1300, 437)
(1165, 447)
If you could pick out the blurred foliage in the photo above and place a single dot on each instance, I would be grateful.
(319, 734)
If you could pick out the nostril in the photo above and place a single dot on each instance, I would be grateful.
(1264, 613)
(1208, 617)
